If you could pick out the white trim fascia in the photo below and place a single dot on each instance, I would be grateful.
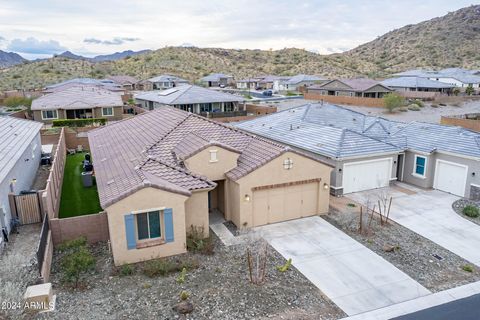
(424, 176)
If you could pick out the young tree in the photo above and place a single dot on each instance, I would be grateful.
(393, 101)
(469, 90)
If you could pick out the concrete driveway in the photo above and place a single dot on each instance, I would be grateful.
(430, 214)
(351, 275)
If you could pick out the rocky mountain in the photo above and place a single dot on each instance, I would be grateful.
(451, 40)
(8, 59)
(70, 55)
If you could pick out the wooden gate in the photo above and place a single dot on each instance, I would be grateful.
(28, 208)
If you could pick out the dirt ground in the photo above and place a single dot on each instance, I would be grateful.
(219, 289)
(412, 253)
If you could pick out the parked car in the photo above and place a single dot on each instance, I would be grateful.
(222, 85)
(268, 93)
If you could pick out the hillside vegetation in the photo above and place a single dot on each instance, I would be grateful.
(451, 40)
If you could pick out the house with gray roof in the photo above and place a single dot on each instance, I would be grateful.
(163, 82)
(106, 84)
(78, 102)
(191, 98)
(459, 77)
(411, 83)
(161, 173)
(296, 82)
(126, 82)
(217, 80)
(20, 153)
(359, 87)
(369, 152)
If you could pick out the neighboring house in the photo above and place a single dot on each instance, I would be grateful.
(20, 153)
(368, 152)
(217, 80)
(278, 84)
(455, 76)
(126, 82)
(417, 84)
(300, 80)
(164, 81)
(78, 102)
(191, 98)
(161, 173)
(361, 87)
(248, 84)
(104, 84)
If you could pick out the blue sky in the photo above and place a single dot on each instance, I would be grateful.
(41, 28)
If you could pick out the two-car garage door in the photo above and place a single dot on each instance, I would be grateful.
(365, 175)
(284, 203)
(450, 177)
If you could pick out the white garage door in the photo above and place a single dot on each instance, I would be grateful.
(284, 203)
(365, 175)
(450, 177)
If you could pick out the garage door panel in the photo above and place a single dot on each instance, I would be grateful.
(260, 207)
(309, 199)
(450, 177)
(276, 203)
(293, 201)
(365, 175)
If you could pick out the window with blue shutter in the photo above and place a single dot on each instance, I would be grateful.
(130, 231)
(420, 164)
(168, 220)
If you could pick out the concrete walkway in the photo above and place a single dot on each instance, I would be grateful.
(420, 303)
(351, 275)
(429, 213)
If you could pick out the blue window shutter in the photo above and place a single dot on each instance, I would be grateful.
(130, 231)
(168, 220)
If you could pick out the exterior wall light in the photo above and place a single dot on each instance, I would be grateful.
(326, 186)
(247, 198)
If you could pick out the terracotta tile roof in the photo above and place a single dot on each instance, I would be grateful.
(141, 151)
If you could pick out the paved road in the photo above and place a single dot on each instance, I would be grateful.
(351, 275)
(430, 214)
(463, 309)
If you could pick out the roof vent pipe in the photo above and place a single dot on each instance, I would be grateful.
(291, 127)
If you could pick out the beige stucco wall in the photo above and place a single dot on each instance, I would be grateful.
(200, 163)
(144, 199)
(196, 211)
(117, 113)
(274, 173)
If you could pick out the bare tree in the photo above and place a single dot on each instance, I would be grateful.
(257, 256)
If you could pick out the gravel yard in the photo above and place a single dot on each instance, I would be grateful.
(460, 204)
(412, 253)
(219, 289)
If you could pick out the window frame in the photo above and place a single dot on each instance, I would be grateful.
(213, 155)
(48, 118)
(414, 173)
(288, 164)
(107, 115)
(161, 238)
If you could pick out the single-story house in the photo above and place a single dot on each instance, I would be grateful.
(459, 77)
(157, 182)
(20, 153)
(249, 83)
(126, 82)
(403, 84)
(191, 98)
(360, 87)
(164, 81)
(78, 102)
(217, 80)
(106, 84)
(294, 83)
(368, 152)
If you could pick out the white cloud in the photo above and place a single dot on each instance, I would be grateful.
(115, 41)
(34, 46)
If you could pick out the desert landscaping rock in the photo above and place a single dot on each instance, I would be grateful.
(412, 253)
(218, 288)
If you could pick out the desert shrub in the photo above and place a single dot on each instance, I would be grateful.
(184, 295)
(467, 268)
(158, 267)
(79, 122)
(72, 244)
(126, 270)
(413, 107)
(418, 103)
(352, 205)
(76, 264)
(469, 90)
(403, 109)
(196, 242)
(286, 266)
(15, 102)
(393, 101)
(471, 211)
(181, 277)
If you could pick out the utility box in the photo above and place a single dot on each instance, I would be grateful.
(39, 298)
(87, 179)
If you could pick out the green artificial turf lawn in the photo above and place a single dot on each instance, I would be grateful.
(77, 200)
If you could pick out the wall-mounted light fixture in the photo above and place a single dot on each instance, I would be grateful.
(326, 186)
(247, 198)
(473, 174)
(339, 169)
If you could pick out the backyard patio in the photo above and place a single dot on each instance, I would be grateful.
(77, 200)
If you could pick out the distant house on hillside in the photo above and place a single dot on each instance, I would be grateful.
(459, 77)
(126, 82)
(361, 87)
(105, 84)
(164, 81)
(294, 83)
(217, 80)
(20, 150)
(417, 84)
(191, 98)
(78, 102)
